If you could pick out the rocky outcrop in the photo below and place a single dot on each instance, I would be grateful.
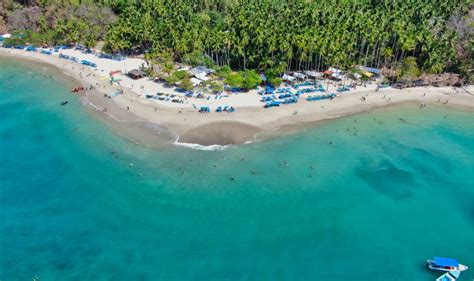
(436, 80)
(443, 80)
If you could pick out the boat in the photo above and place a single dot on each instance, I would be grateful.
(449, 276)
(118, 92)
(446, 264)
(64, 102)
(77, 89)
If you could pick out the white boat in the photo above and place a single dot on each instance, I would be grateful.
(449, 276)
(446, 264)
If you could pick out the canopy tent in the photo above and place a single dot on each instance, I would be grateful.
(446, 262)
(300, 75)
(313, 74)
(337, 76)
(201, 76)
(6, 36)
(288, 78)
(327, 72)
(357, 75)
(367, 74)
(335, 70)
(196, 81)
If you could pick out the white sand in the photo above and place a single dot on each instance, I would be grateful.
(182, 118)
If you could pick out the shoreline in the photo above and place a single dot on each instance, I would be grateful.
(152, 123)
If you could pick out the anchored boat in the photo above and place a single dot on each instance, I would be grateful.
(446, 264)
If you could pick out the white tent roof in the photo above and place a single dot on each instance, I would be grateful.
(335, 70)
(201, 76)
(337, 76)
(6, 35)
(288, 77)
(357, 75)
(195, 81)
(300, 75)
(313, 74)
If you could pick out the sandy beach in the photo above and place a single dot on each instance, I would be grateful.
(184, 124)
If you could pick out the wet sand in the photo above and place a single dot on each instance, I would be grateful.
(220, 133)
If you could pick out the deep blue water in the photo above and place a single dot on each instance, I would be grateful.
(373, 205)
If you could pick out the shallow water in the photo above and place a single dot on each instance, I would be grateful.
(351, 199)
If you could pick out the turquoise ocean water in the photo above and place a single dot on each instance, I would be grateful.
(374, 204)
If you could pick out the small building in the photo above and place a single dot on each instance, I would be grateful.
(136, 74)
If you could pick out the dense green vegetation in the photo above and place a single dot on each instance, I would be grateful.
(301, 34)
(270, 35)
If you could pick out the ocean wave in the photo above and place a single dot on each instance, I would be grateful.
(197, 146)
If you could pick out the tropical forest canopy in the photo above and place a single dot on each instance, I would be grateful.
(271, 35)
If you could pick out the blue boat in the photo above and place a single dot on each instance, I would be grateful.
(204, 109)
(88, 63)
(446, 264)
(119, 92)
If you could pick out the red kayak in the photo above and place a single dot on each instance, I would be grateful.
(77, 89)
